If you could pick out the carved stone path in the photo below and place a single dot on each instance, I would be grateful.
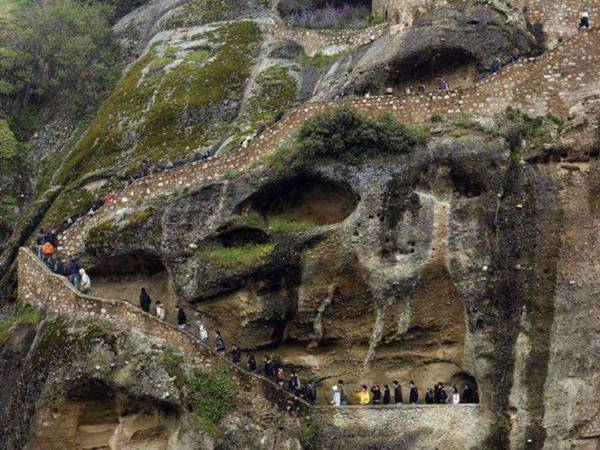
(551, 83)
(41, 288)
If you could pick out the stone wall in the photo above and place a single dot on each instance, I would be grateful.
(42, 289)
(324, 41)
(415, 426)
(401, 14)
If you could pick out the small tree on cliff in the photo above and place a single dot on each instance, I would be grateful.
(342, 133)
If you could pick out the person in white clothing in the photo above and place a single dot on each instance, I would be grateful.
(455, 396)
(337, 395)
(160, 310)
(202, 332)
(85, 284)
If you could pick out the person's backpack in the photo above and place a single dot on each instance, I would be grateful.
(48, 249)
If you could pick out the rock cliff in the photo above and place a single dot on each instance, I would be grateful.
(464, 255)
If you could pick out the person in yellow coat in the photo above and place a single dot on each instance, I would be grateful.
(363, 395)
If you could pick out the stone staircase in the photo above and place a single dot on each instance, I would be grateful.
(551, 83)
(42, 289)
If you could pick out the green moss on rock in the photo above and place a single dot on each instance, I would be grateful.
(245, 255)
(275, 94)
(107, 234)
(69, 203)
(201, 12)
(161, 112)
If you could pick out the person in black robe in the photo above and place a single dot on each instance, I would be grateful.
(467, 395)
(269, 368)
(59, 268)
(376, 391)
(443, 394)
(294, 384)
(386, 395)
(181, 318)
(145, 300)
(397, 392)
(414, 393)
(311, 393)
(429, 396)
(236, 355)
(437, 393)
(251, 363)
(219, 343)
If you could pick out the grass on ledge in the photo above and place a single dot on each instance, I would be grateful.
(239, 256)
(24, 314)
(283, 225)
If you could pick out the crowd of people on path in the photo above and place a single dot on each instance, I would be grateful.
(272, 368)
(46, 244)
(439, 394)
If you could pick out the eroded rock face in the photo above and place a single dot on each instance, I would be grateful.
(94, 384)
(452, 263)
(455, 42)
(376, 278)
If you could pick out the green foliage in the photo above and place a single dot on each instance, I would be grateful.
(173, 364)
(319, 61)
(62, 50)
(516, 154)
(27, 120)
(342, 133)
(165, 109)
(280, 159)
(254, 220)
(160, 62)
(239, 256)
(8, 141)
(230, 174)
(199, 55)
(108, 233)
(69, 203)
(532, 125)
(275, 94)
(24, 314)
(511, 113)
(212, 396)
(437, 118)
(311, 435)
(283, 225)
(200, 12)
(560, 122)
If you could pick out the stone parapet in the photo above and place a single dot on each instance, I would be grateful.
(41, 288)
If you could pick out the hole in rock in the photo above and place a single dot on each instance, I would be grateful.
(242, 236)
(95, 416)
(122, 276)
(139, 262)
(466, 184)
(454, 65)
(305, 199)
(460, 381)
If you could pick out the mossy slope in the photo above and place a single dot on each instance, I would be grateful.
(177, 99)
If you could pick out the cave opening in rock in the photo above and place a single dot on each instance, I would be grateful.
(456, 66)
(303, 199)
(94, 415)
(460, 381)
(135, 262)
(466, 184)
(121, 277)
(238, 237)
